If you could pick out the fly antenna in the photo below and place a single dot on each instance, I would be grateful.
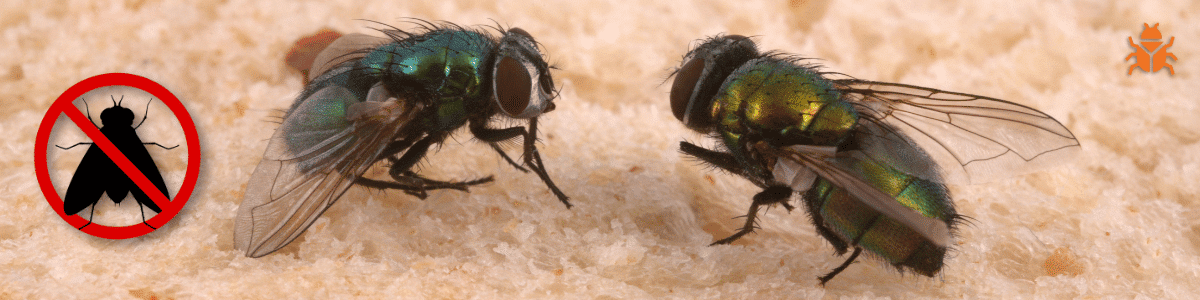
(144, 114)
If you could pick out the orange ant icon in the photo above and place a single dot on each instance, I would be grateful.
(1151, 39)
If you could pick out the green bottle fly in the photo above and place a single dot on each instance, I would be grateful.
(848, 146)
(392, 98)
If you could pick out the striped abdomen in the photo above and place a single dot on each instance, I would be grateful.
(845, 221)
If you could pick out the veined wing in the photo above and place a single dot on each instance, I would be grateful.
(987, 138)
(347, 48)
(803, 163)
(323, 145)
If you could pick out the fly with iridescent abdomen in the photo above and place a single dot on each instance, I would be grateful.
(869, 158)
(392, 98)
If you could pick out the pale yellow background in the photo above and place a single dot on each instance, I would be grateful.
(1122, 221)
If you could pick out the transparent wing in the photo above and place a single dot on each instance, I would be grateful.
(808, 161)
(347, 48)
(973, 138)
(323, 145)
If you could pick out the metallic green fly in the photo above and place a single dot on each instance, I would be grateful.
(869, 158)
(392, 98)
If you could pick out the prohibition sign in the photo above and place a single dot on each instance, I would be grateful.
(63, 105)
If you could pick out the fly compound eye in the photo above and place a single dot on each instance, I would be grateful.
(686, 82)
(513, 87)
(700, 78)
(520, 79)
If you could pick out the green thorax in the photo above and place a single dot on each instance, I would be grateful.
(781, 103)
(447, 67)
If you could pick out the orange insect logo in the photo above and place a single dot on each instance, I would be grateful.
(1151, 39)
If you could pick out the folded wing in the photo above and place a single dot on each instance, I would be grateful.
(323, 145)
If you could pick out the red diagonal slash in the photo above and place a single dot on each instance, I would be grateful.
(116, 156)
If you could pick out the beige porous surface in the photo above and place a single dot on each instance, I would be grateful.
(1120, 221)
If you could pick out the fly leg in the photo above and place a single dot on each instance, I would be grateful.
(724, 161)
(506, 158)
(421, 184)
(160, 146)
(716, 158)
(395, 148)
(408, 181)
(90, 216)
(770, 195)
(495, 136)
(839, 269)
(144, 216)
(143, 200)
(532, 158)
(392, 149)
(72, 146)
(418, 186)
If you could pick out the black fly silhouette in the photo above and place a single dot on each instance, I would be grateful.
(97, 174)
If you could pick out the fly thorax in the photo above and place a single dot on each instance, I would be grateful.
(462, 76)
(833, 123)
(383, 60)
(788, 101)
(444, 63)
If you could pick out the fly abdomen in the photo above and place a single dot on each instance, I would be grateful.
(857, 224)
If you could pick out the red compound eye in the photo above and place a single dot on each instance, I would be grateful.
(685, 83)
(513, 85)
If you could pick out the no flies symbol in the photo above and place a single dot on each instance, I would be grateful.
(158, 127)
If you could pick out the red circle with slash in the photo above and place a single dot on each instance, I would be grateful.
(64, 105)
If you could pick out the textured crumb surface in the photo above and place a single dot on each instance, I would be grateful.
(1121, 221)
